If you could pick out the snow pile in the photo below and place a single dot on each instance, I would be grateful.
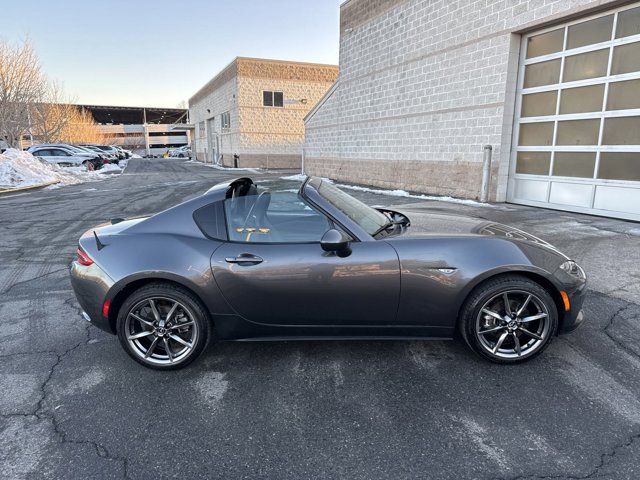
(114, 167)
(21, 169)
(135, 155)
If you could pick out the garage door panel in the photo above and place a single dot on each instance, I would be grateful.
(577, 127)
(617, 199)
(575, 194)
(533, 190)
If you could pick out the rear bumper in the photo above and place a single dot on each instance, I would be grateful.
(90, 285)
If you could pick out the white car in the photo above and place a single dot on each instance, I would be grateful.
(66, 155)
(181, 152)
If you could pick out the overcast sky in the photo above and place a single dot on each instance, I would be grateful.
(160, 52)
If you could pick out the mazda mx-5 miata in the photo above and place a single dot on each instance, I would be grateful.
(243, 262)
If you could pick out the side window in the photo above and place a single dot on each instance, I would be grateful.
(59, 153)
(42, 153)
(278, 217)
(210, 220)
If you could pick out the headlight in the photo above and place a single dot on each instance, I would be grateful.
(573, 269)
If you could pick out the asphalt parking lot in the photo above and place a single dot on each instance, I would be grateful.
(74, 405)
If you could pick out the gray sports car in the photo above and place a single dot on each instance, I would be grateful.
(243, 262)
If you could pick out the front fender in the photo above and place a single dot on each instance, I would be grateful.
(438, 273)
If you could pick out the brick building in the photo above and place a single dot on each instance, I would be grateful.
(254, 108)
(552, 85)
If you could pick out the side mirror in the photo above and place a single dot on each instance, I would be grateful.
(335, 241)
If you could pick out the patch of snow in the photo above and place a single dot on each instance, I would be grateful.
(300, 177)
(405, 194)
(112, 167)
(220, 167)
(21, 169)
(135, 155)
(393, 193)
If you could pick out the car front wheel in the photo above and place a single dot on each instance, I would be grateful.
(509, 319)
(163, 326)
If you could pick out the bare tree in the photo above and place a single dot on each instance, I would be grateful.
(50, 117)
(22, 85)
(81, 127)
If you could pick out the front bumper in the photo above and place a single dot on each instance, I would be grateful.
(575, 316)
(91, 284)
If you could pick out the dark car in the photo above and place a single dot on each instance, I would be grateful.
(241, 262)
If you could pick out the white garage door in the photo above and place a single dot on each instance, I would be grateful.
(577, 131)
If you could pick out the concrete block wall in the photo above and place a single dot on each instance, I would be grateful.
(221, 99)
(270, 137)
(423, 85)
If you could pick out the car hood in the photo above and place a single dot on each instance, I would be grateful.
(434, 223)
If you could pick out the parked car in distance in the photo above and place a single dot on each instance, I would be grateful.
(180, 152)
(66, 155)
(102, 155)
(112, 149)
(111, 155)
(252, 263)
(125, 153)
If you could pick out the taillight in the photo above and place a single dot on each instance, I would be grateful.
(83, 258)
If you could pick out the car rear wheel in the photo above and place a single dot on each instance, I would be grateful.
(509, 319)
(163, 326)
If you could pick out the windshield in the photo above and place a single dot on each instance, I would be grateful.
(79, 150)
(369, 219)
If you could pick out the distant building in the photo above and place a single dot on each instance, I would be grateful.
(144, 130)
(254, 108)
(552, 85)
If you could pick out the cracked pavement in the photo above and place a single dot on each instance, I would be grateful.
(74, 405)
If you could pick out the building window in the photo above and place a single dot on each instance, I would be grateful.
(272, 99)
(225, 121)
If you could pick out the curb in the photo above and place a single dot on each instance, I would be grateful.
(28, 187)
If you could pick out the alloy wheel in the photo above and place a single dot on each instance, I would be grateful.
(161, 331)
(513, 324)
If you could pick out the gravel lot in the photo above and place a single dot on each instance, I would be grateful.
(74, 405)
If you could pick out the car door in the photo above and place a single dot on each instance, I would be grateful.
(275, 271)
(60, 156)
(44, 154)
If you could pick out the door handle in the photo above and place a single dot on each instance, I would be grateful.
(244, 259)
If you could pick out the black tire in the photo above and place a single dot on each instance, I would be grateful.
(489, 295)
(181, 155)
(189, 306)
